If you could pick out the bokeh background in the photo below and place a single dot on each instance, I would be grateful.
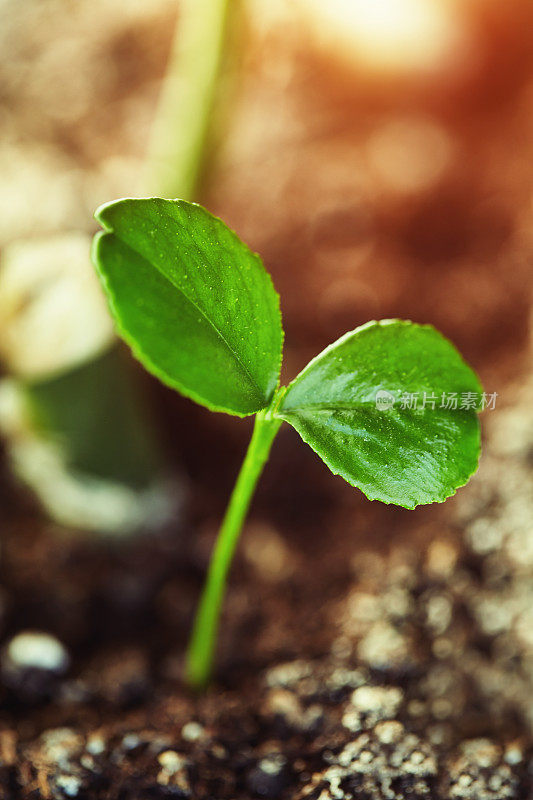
(378, 155)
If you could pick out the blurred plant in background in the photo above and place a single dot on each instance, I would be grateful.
(375, 152)
(76, 430)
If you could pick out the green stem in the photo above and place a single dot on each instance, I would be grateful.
(182, 121)
(203, 639)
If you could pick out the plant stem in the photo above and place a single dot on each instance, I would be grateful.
(181, 127)
(203, 640)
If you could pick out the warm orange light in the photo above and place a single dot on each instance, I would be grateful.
(409, 154)
(392, 35)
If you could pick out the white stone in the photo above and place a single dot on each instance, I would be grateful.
(38, 650)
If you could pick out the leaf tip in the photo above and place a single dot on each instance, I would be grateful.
(100, 215)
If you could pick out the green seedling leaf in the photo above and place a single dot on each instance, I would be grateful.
(193, 302)
(354, 405)
(391, 406)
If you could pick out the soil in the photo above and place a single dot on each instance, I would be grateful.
(366, 652)
(359, 659)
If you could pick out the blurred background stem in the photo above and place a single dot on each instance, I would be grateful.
(78, 434)
(183, 121)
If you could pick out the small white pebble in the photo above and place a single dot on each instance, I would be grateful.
(171, 761)
(38, 650)
(272, 765)
(95, 745)
(219, 751)
(513, 754)
(130, 741)
(389, 732)
(87, 762)
(381, 700)
(192, 731)
(495, 783)
(69, 784)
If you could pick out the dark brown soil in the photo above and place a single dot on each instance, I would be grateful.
(378, 655)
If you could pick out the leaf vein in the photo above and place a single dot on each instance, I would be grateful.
(204, 315)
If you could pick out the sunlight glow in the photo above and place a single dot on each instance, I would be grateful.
(389, 35)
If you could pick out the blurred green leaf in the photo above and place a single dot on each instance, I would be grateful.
(400, 455)
(193, 302)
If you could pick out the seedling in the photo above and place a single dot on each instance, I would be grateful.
(200, 312)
